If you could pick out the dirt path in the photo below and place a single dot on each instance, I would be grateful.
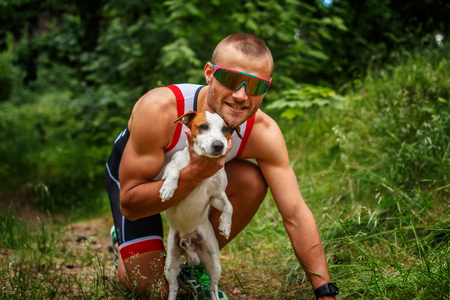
(92, 235)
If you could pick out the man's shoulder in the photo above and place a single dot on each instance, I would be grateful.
(157, 105)
(265, 138)
(158, 96)
(166, 96)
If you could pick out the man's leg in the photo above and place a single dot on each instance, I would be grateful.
(141, 254)
(144, 274)
(246, 190)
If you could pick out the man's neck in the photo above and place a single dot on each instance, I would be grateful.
(202, 103)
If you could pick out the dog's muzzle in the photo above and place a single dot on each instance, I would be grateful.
(217, 147)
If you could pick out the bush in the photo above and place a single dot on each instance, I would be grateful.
(56, 140)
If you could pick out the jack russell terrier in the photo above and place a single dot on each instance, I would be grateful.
(191, 232)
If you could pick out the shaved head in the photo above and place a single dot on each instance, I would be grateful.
(247, 44)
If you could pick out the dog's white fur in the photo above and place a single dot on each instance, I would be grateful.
(191, 231)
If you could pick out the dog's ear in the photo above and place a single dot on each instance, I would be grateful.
(238, 131)
(186, 118)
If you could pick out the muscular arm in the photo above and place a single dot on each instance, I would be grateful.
(267, 145)
(151, 130)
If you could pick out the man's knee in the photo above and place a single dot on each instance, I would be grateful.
(245, 177)
(144, 274)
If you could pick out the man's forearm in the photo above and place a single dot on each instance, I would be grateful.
(143, 200)
(308, 248)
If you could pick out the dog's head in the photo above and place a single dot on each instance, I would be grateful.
(209, 131)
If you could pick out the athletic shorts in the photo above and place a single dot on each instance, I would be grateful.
(134, 237)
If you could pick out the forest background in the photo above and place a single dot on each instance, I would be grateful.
(361, 91)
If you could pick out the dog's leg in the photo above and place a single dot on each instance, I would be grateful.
(172, 267)
(210, 256)
(172, 174)
(170, 177)
(222, 203)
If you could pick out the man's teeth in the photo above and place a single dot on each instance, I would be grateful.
(236, 107)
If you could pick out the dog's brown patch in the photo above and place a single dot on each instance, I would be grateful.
(198, 120)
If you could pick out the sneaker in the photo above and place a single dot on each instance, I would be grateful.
(196, 282)
(114, 241)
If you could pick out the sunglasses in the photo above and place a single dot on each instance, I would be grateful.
(233, 79)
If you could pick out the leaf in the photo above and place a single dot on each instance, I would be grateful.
(335, 22)
(178, 51)
(292, 113)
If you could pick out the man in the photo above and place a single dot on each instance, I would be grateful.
(238, 77)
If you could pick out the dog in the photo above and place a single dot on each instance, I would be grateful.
(191, 233)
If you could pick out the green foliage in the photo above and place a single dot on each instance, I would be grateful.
(57, 144)
(404, 114)
(293, 103)
(377, 29)
(390, 138)
(152, 43)
(6, 78)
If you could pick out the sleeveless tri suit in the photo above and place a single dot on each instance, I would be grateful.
(146, 234)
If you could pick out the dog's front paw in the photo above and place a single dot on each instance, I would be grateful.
(167, 190)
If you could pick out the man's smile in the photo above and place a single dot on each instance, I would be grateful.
(236, 108)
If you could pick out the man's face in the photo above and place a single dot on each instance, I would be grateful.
(235, 107)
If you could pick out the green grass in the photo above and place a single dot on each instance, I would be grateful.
(38, 263)
(374, 171)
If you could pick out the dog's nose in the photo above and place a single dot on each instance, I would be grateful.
(217, 146)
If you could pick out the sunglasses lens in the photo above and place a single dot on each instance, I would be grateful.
(257, 86)
(232, 80)
(227, 78)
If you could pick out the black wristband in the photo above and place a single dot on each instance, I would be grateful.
(328, 289)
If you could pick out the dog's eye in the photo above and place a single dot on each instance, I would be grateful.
(203, 127)
(225, 130)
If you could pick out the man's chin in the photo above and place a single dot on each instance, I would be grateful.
(234, 122)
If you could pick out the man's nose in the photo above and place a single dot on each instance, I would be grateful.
(241, 93)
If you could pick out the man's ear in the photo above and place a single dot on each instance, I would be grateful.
(209, 71)
(187, 118)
